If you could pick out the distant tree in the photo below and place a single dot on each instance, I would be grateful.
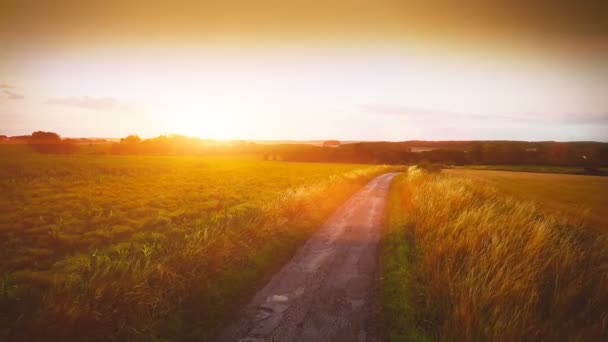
(131, 139)
(128, 145)
(50, 142)
(603, 155)
(474, 153)
(20, 138)
(45, 136)
(557, 153)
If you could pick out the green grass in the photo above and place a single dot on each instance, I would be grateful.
(150, 247)
(396, 258)
(578, 197)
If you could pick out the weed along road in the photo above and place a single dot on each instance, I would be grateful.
(327, 292)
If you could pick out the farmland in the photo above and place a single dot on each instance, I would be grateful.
(149, 246)
(465, 260)
(576, 196)
(575, 170)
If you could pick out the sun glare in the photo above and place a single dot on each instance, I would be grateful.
(196, 118)
(205, 122)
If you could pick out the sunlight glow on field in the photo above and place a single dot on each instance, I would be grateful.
(162, 160)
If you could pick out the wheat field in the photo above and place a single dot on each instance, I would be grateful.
(469, 262)
(150, 247)
(575, 196)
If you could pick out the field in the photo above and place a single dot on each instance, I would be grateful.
(147, 247)
(463, 260)
(573, 195)
(575, 170)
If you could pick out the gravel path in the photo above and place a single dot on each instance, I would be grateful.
(327, 292)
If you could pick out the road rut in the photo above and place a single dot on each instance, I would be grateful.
(327, 292)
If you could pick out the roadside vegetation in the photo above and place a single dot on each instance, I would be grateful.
(396, 258)
(464, 261)
(149, 248)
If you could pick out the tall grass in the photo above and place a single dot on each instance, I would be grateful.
(178, 280)
(486, 266)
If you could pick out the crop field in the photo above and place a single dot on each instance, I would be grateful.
(463, 260)
(576, 170)
(143, 246)
(577, 196)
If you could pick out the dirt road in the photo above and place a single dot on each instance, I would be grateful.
(327, 292)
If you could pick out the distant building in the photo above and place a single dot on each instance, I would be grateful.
(331, 143)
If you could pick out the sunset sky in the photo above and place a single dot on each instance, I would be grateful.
(356, 70)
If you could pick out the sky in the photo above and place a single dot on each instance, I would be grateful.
(299, 70)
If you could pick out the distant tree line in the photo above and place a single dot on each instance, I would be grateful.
(588, 154)
(50, 142)
(166, 145)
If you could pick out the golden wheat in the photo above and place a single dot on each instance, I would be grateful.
(491, 267)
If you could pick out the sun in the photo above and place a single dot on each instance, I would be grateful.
(206, 125)
(205, 120)
(213, 125)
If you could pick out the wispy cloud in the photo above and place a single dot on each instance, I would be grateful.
(416, 112)
(427, 112)
(7, 92)
(10, 95)
(588, 118)
(88, 102)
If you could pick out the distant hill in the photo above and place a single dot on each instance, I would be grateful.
(588, 154)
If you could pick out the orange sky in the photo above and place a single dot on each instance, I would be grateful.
(378, 70)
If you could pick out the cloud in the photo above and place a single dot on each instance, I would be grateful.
(426, 112)
(87, 102)
(586, 118)
(6, 93)
(415, 112)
